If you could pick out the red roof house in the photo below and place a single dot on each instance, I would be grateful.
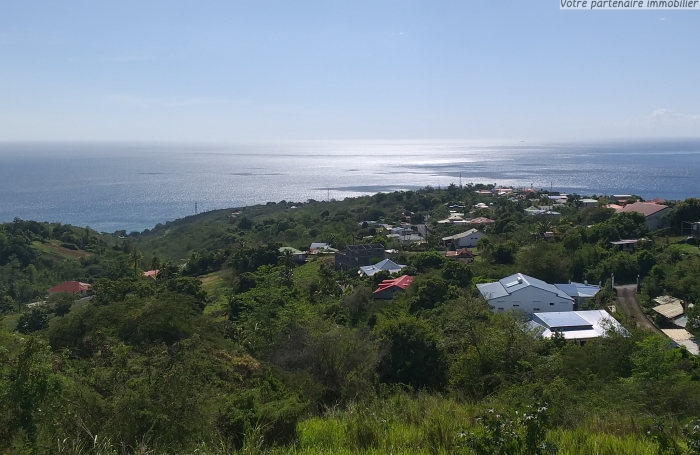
(652, 212)
(462, 254)
(387, 288)
(151, 274)
(73, 287)
(480, 220)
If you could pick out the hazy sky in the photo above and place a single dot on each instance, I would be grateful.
(330, 69)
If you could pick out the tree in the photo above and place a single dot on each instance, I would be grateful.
(288, 261)
(135, 258)
(62, 303)
(414, 356)
(504, 253)
(35, 319)
(430, 293)
(457, 273)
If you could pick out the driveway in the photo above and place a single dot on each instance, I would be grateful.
(628, 304)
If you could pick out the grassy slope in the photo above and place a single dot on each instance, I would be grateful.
(57, 251)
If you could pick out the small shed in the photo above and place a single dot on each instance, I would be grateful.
(671, 310)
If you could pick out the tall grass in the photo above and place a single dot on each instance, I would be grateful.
(402, 424)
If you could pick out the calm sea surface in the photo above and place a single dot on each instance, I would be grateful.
(111, 187)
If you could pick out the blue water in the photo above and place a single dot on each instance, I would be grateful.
(111, 187)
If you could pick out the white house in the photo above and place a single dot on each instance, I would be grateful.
(523, 293)
(575, 325)
(466, 239)
(588, 203)
(387, 264)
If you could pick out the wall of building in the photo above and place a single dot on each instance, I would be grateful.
(530, 300)
(469, 241)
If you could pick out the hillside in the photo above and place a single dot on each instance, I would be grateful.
(236, 345)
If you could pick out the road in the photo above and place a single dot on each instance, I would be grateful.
(628, 304)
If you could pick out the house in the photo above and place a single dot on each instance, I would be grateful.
(299, 256)
(462, 254)
(480, 220)
(575, 325)
(615, 207)
(358, 255)
(481, 205)
(385, 265)
(621, 198)
(580, 292)
(627, 245)
(388, 288)
(318, 246)
(76, 288)
(588, 203)
(151, 274)
(454, 219)
(657, 200)
(652, 212)
(465, 239)
(523, 293)
(670, 310)
(486, 193)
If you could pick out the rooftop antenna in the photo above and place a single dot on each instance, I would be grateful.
(460, 180)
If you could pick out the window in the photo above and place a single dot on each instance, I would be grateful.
(515, 306)
(536, 309)
(552, 303)
(500, 309)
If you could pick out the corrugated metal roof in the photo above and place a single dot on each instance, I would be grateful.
(402, 282)
(460, 235)
(670, 310)
(579, 289)
(492, 290)
(683, 338)
(386, 264)
(664, 299)
(513, 283)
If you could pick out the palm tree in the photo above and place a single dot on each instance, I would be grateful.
(287, 259)
(135, 257)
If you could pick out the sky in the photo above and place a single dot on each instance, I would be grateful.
(381, 69)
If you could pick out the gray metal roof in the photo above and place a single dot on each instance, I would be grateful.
(386, 264)
(578, 289)
(513, 283)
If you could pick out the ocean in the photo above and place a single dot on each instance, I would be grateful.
(115, 186)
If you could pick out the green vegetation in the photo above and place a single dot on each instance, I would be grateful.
(234, 346)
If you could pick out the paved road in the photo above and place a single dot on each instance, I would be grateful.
(628, 304)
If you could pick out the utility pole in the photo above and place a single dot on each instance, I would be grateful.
(195, 208)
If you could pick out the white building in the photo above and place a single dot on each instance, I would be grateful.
(523, 293)
(576, 325)
(588, 202)
(387, 264)
(466, 239)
